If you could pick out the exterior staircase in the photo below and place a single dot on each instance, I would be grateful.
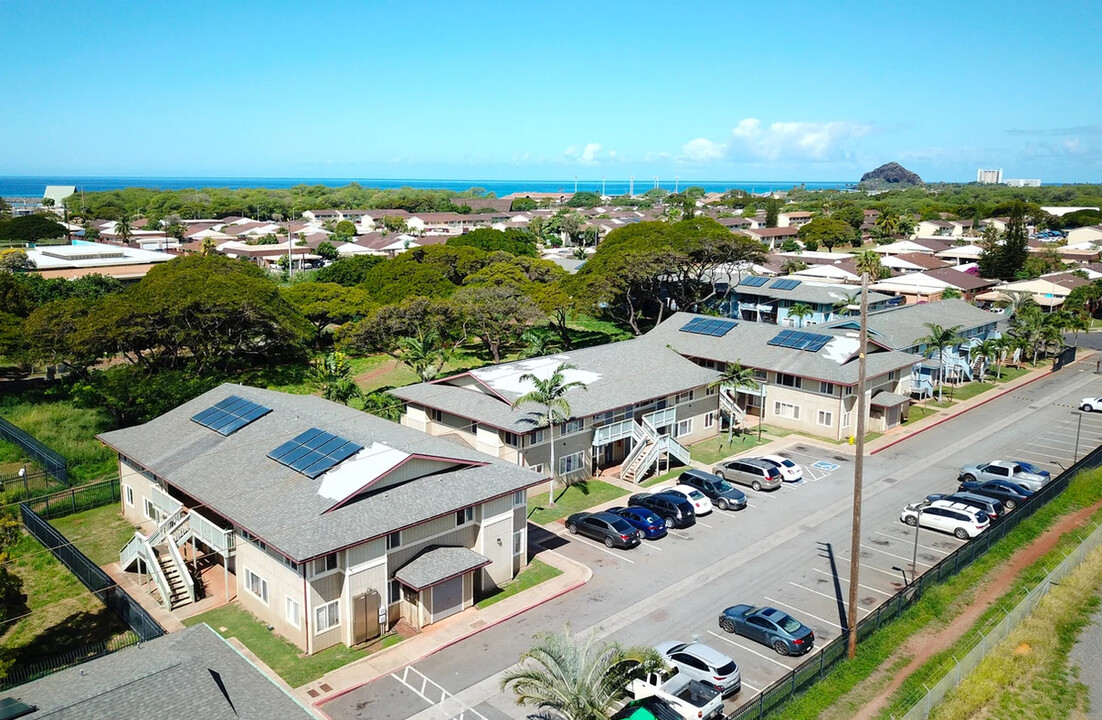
(647, 448)
(179, 593)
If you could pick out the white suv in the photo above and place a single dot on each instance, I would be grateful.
(962, 520)
(701, 504)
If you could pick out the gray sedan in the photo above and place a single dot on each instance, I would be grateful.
(1008, 470)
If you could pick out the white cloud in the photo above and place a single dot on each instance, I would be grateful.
(703, 150)
(796, 140)
(587, 156)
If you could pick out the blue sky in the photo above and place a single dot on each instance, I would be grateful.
(812, 91)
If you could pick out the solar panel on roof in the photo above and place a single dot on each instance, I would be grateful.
(314, 451)
(754, 281)
(715, 327)
(800, 340)
(785, 284)
(230, 415)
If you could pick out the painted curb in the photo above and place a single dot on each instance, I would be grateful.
(329, 698)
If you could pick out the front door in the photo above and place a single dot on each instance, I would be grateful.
(447, 599)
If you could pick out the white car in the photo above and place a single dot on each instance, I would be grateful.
(703, 664)
(701, 504)
(790, 471)
(964, 521)
(1090, 404)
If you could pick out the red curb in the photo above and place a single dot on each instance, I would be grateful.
(950, 417)
(318, 703)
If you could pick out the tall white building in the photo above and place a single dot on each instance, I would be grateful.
(989, 177)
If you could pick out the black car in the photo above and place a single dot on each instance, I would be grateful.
(612, 530)
(723, 494)
(989, 505)
(1010, 494)
(675, 509)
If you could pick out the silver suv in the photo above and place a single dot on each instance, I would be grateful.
(756, 473)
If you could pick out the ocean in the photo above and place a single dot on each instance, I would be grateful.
(33, 186)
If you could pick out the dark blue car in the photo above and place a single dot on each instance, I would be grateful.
(643, 520)
(1011, 495)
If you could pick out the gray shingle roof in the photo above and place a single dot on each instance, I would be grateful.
(437, 564)
(183, 676)
(902, 327)
(889, 399)
(617, 374)
(234, 477)
(819, 293)
(748, 344)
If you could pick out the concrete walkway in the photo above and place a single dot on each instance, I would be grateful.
(447, 632)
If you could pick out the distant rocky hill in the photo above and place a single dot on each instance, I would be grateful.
(892, 175)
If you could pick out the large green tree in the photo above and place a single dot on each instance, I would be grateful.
(497, 314)
(31, 228)
(325, 304)
(348, 271)
(825, 231)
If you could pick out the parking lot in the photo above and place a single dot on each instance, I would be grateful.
(790, 549)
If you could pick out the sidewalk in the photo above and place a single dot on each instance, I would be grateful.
(447, 632)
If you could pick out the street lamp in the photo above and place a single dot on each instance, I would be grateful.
(761, 401)
(1078, 430)
(903, 573)
(914, 555)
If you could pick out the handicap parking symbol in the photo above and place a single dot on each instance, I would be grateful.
(825, 466)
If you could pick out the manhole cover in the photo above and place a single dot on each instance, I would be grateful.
(890, 480)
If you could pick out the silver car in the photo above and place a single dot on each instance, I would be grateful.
(1009, 470)
(756, 473)
(704, 664)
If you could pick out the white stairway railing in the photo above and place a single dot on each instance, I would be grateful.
(158, 575)
(132, 550)
(181, 567)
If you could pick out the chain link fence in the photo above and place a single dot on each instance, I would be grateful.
(51, 460)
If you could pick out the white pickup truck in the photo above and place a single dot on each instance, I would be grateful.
(691, 699)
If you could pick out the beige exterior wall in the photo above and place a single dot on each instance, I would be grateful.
(495, 541)
(282, 582)
(140, 484)
(415, 417)
(809, 403)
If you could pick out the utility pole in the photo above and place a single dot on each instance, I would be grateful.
(858, 469)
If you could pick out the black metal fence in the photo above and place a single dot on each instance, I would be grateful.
(54, 462)
(816, 667)
(141, 623)
(32, 482)
(74, 500)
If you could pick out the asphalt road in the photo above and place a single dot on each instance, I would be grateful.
(789, 549)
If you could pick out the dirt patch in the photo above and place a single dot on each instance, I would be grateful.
(368, 377)
(924, 645)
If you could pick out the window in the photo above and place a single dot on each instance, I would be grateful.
(518, 542)
(572, 426)
(826, 388)
(394, 540)
(291, 611)
(256, 585)
(327, 617)
(435, 415)
(786, 410)
(826, 418)
(709, 419)
(464, 516)
(788, 380)
(325, 564)
(149, 509)
(394, 592)
(518, 496)
(683, 397)
(711, 390)
(847, 418)
(128, 493)
(537, 437)
(761, 375)
(684, 427)
(570, 463)
(510, 439)
(893, 375)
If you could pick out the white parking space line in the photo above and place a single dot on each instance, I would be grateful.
(911, 543)
(602, 548)
(876, 590)
(823, 594)
(867, 566)
(1050, 448)
(868, 547)
(750, 504)
(748, 685)
(1060, 439)
(804, 612)
(650, 545)
(698, 522)
(683, 536)
(755, 652)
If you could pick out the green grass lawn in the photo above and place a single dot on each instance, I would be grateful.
(98, 533)
(68, 429)
(536, 573)
(282, 656)
(658, 479)
(60, 615)
(574, 498)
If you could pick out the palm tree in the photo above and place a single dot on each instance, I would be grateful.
(550, 393)
(986, 350)
(574, 678)
(123, 229)
(1078, 322)
(800, 311)
(207, 247)
(842, 305)
(939, 339)
(735, 376)
(332, 374)
(792, 265)
(423, 355)
(539, 341)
